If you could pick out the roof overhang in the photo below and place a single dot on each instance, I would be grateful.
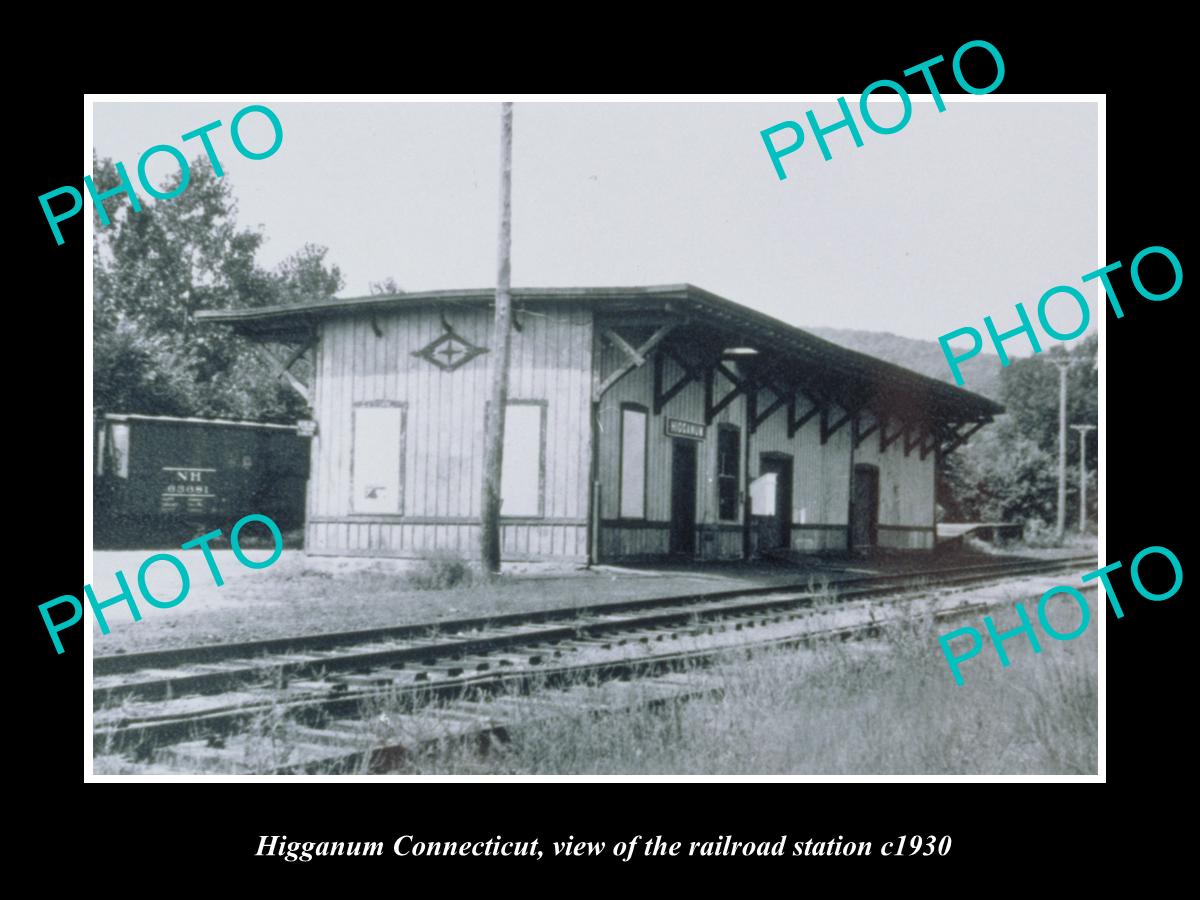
(787, 348)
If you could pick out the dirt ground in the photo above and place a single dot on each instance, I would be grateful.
(289, 598)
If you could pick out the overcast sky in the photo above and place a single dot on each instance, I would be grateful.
(959, 215)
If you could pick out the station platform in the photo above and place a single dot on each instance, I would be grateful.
(783, 567)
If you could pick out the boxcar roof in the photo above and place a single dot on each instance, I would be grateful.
(944, 400)
(178, 420)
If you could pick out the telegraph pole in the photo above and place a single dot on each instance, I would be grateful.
(493, 453)
(1083, 430)
(1061, 523)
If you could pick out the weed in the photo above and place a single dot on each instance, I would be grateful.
(440, 571)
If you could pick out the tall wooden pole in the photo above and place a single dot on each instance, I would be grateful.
(1061, 522)
(493, 453)
(1083, 430)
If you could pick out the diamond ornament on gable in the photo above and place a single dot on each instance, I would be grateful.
(449, 351)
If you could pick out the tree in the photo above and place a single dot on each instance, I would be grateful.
(303, 277)
(154, 269)
(387, 286)
(1030, 396)
(1008, 472)
(1000, 475)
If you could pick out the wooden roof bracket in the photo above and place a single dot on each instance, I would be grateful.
(740, 386)
(635, 356)
(958, 438)
(884, 440)
(283, 366)
(691, 373)
(827, 430)
(919, 430)
(757, 418)
(860, 434)
(794, 423)
(935, 440)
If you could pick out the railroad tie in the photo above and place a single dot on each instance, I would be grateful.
(423, 671)
(333, 736)
(373, 678)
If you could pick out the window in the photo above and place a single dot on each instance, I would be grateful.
(377, 461)
(523, 467)
(633, 462)
(729, 442)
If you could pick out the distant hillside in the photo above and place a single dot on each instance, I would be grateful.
(982, 374)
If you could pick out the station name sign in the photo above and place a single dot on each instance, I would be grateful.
(684, 429)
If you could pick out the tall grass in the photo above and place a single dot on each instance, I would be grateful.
(887, 706)
(881, 707)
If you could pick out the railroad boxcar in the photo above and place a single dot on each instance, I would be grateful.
(161, 480)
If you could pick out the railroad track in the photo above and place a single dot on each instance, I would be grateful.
(200, 698)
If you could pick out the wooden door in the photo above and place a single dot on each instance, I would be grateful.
(775, 529)
(864, 507)
(683, 497)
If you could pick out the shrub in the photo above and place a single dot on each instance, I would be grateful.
(439, 571)
(1039, 534)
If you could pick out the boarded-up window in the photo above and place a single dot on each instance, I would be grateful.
(633, 463)
(378, 459)
(524, 446)
(728, 455)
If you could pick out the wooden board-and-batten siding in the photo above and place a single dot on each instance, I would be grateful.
(368, 360)
(906, 491)
(820, 477)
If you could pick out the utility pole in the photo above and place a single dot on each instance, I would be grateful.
(1061, 523)
(1083, 430)
(493, 434)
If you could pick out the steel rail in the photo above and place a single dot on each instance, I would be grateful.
(655, 613)
(337, 700)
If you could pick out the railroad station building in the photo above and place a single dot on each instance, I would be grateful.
(642, 423)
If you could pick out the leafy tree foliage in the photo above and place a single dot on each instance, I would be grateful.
(1009, 470)
(1000, 475)
(387, 286)
(154, 269)
(1030, 395)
